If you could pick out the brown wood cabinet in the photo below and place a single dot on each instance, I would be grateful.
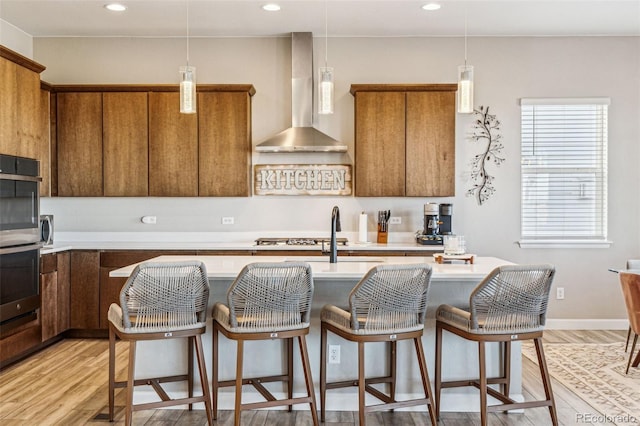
(79, 144)
(125, 143)
(54, 294)
(23, 121)
(173, 148)
(224, 141)
(85, 290)
(132, 141)
(404, 140)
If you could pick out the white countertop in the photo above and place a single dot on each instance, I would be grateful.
(213, 241)
(351, 267)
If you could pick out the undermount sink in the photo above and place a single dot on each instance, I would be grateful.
(325, 259)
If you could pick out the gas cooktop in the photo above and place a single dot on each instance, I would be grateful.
(297, 241)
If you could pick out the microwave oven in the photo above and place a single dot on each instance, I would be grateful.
(46, 229)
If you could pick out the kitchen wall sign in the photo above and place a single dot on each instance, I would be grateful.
(484, 130)
(302, 179)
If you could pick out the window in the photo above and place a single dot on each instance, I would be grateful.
(564, 172)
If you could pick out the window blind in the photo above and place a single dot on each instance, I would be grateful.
(564, 169)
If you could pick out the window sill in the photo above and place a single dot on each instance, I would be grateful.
(591, 244)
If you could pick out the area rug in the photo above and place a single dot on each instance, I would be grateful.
(595, 372)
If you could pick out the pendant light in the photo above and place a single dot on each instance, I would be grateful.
(187, 81)
(465, 79)
(325, 80)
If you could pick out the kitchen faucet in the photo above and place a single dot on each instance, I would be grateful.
(335, 227)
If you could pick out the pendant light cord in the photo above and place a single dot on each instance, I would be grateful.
(326, 34)
(187, 32)
(465, 37)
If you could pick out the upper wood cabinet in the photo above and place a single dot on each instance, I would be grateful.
(79, 144)
(125, 144)
(404, 140)
(132, 141)
(380, 127)
(24, 111)
(173, 148)
(224, 141)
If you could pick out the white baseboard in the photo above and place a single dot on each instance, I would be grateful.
(587, 324)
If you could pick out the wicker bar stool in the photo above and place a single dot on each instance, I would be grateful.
(266, 301)
(161, 301)
(510, 304)
(388, 304)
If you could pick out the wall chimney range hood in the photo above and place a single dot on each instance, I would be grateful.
(301, 136)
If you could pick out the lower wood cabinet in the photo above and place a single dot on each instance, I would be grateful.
(85, 294)
(54, 294)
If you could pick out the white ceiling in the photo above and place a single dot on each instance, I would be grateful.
(370, 18)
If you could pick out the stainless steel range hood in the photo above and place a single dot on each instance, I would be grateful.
(301, 136)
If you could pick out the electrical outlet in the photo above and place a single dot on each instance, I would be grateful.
(395, 220)
(334, 354)
(228, 220)
(560, 293)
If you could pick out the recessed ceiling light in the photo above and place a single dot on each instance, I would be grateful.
(271, 7)
(431, 6)
(115, 7)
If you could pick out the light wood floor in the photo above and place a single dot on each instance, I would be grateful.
(66, 384)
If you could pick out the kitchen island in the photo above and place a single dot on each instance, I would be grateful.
(451, 283)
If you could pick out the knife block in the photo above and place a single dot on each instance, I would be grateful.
(382, 235)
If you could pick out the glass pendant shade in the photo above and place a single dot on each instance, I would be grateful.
(465, 89)
(188, 90)
(325, 91)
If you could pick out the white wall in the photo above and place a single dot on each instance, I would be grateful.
(506, 69)
(15, 39)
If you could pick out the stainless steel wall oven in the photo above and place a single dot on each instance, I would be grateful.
(19, 241)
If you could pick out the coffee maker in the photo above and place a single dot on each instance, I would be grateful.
(437, 222)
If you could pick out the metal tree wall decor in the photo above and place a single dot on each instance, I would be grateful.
(484, 130)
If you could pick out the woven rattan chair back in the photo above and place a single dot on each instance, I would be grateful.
(165, 296)
(390, 298)
(512, 299)
(271, 295)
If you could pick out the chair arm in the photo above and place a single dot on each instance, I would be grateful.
(336, 316)
(454, 316)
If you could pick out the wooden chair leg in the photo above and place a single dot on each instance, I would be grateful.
(546, 380)
(323, 371)
(506, 369)
(203, 378)
(633, 348)
(483, 383)
(112, 372)
(214, 373)
(438, 367)
(393, 359)
(424, 374)
(130, 379)
(239, 362)
(306, 366)
(361, 384)
(289, 344)
(626, 345)
(190, 344)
